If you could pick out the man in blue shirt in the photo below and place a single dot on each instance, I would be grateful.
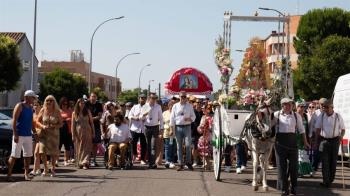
(22, 126)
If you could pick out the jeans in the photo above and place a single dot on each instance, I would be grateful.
(135, 139)
(152, 136)
(169, 150)
(183, 132)
(241, 155)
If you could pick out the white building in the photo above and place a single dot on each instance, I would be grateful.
(9, 99)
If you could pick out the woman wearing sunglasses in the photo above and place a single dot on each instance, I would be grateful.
(49, 121)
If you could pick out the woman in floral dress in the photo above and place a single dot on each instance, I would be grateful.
(204, 142)
(303, 156)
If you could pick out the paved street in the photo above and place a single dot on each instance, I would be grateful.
(141, 182)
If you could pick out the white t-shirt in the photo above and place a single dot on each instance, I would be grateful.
(326, 124)
(118, 134)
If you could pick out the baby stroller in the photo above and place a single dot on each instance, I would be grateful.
(128, 157)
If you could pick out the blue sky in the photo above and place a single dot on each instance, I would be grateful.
(168, 34)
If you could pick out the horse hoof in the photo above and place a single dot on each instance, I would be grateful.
(266, 189)
(255, 188)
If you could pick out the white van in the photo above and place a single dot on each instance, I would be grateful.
(341, 101)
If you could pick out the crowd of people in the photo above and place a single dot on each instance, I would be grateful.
(178, 131)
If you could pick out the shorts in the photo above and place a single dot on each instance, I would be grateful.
(25, 143)
(97, 138)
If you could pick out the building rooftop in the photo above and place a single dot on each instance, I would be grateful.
(17, 36)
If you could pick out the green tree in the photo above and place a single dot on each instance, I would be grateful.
(321, 42)
(10, 66)
(61, 83)
(130, 95)
(100, 94)
(330, 60)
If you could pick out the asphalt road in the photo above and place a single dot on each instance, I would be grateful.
(163, 182)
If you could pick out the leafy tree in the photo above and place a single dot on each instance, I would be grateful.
(10, 65)
(100, 94)
(130, 95)
(61, 83)
(321, 44)
(330, 60)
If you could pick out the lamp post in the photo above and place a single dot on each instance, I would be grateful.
(116, 69)
(92, 39)
(34, 48)
(140, 76)
(149, 87)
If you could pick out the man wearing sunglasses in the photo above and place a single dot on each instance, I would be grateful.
(181, 117)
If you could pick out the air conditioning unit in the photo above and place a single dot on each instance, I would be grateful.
(25, 65)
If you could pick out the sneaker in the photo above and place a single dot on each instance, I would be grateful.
(65, 163)
(180, 168)
(143, 162)
(227, 169)
(38, 172)
(154, 166)
(189, 166)
(32, 173)
(171, 165)
(194, 164)
(53, 173)
(27, 177)
(93, 164)
(243, 168)
(271, 167)
(238, 171)
(167, 164)
(72, 160)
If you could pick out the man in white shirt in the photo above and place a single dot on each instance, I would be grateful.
(316, 156)
(119, 137)
(154, 128)
(287, 123)
(330, 130)
(137, 118)
(182, 115)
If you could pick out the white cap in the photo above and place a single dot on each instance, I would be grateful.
(286, 100)
(30, 93)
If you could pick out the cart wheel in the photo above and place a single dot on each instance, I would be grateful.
(217, 147)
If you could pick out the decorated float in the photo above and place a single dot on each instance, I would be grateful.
(190, 80)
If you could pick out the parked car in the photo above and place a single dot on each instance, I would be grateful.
(6, 143)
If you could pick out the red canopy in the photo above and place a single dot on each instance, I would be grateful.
(190, 80)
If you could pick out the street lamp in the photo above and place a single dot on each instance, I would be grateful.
(92, 39)
(116, 69)
(34, 48)
(140, 76)
(149, 87)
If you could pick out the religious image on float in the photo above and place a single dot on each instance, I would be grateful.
(188, 81)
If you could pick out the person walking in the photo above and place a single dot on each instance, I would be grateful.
(287, 124)
(22, 126)
(168, 137)
(49, 121)
(330, 130)
(36, 167)
(304, 166)
(96, 111)
(83, 131)
(195, 134)
(65, 130)
(137, 116)
(204, 142)
(153, 129)
(182, 115)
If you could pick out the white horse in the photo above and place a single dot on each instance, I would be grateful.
(258, 135)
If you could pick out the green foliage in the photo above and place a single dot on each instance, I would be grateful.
(10, 65)
(323, 46)
(100, 94)
(330, 60)
(130, 95)
(61, 83)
